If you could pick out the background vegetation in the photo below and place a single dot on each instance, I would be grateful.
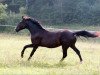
(51, 11)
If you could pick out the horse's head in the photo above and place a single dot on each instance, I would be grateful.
(22, 24)
(28, 23)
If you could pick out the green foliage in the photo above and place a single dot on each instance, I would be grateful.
(55, 11)
(3, 13)
(23, 10)
(15, 17)
(9, 18)
(66, 11)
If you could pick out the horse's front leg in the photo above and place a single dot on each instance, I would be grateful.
(34, 49)
(26, 46)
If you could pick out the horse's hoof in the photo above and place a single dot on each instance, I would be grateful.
(28, 59)
(80, 62)
(21, 56)
(61, 60)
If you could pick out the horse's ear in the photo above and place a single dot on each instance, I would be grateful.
(22, 17)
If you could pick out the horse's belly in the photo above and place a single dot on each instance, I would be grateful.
(50, 44)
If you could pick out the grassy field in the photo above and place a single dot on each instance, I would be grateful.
(75, 27)
(46, 61)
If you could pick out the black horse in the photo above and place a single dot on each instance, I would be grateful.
(45, 38)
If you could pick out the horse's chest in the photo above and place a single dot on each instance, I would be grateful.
(35, 40)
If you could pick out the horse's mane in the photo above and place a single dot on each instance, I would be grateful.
(36, 22)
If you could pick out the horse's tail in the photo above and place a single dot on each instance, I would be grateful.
(87, 34)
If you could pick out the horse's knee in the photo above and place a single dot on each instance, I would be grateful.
(25, 47)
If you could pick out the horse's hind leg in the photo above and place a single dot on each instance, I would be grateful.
(64, 48)
(77, 52)
(26, 46)
(34, 49)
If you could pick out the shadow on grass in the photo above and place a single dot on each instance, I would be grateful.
(39, 64)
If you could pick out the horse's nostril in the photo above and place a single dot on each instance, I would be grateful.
(16, 30)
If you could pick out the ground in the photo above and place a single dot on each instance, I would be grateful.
(46, 61)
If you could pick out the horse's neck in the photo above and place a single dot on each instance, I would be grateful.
(34, 29)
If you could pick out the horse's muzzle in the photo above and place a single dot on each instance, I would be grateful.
(16, 30)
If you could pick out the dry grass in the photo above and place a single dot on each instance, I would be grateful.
(46, 61)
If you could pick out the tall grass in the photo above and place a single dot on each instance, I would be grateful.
(46, 61)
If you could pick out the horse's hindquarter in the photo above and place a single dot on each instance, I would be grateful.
(67, 37)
